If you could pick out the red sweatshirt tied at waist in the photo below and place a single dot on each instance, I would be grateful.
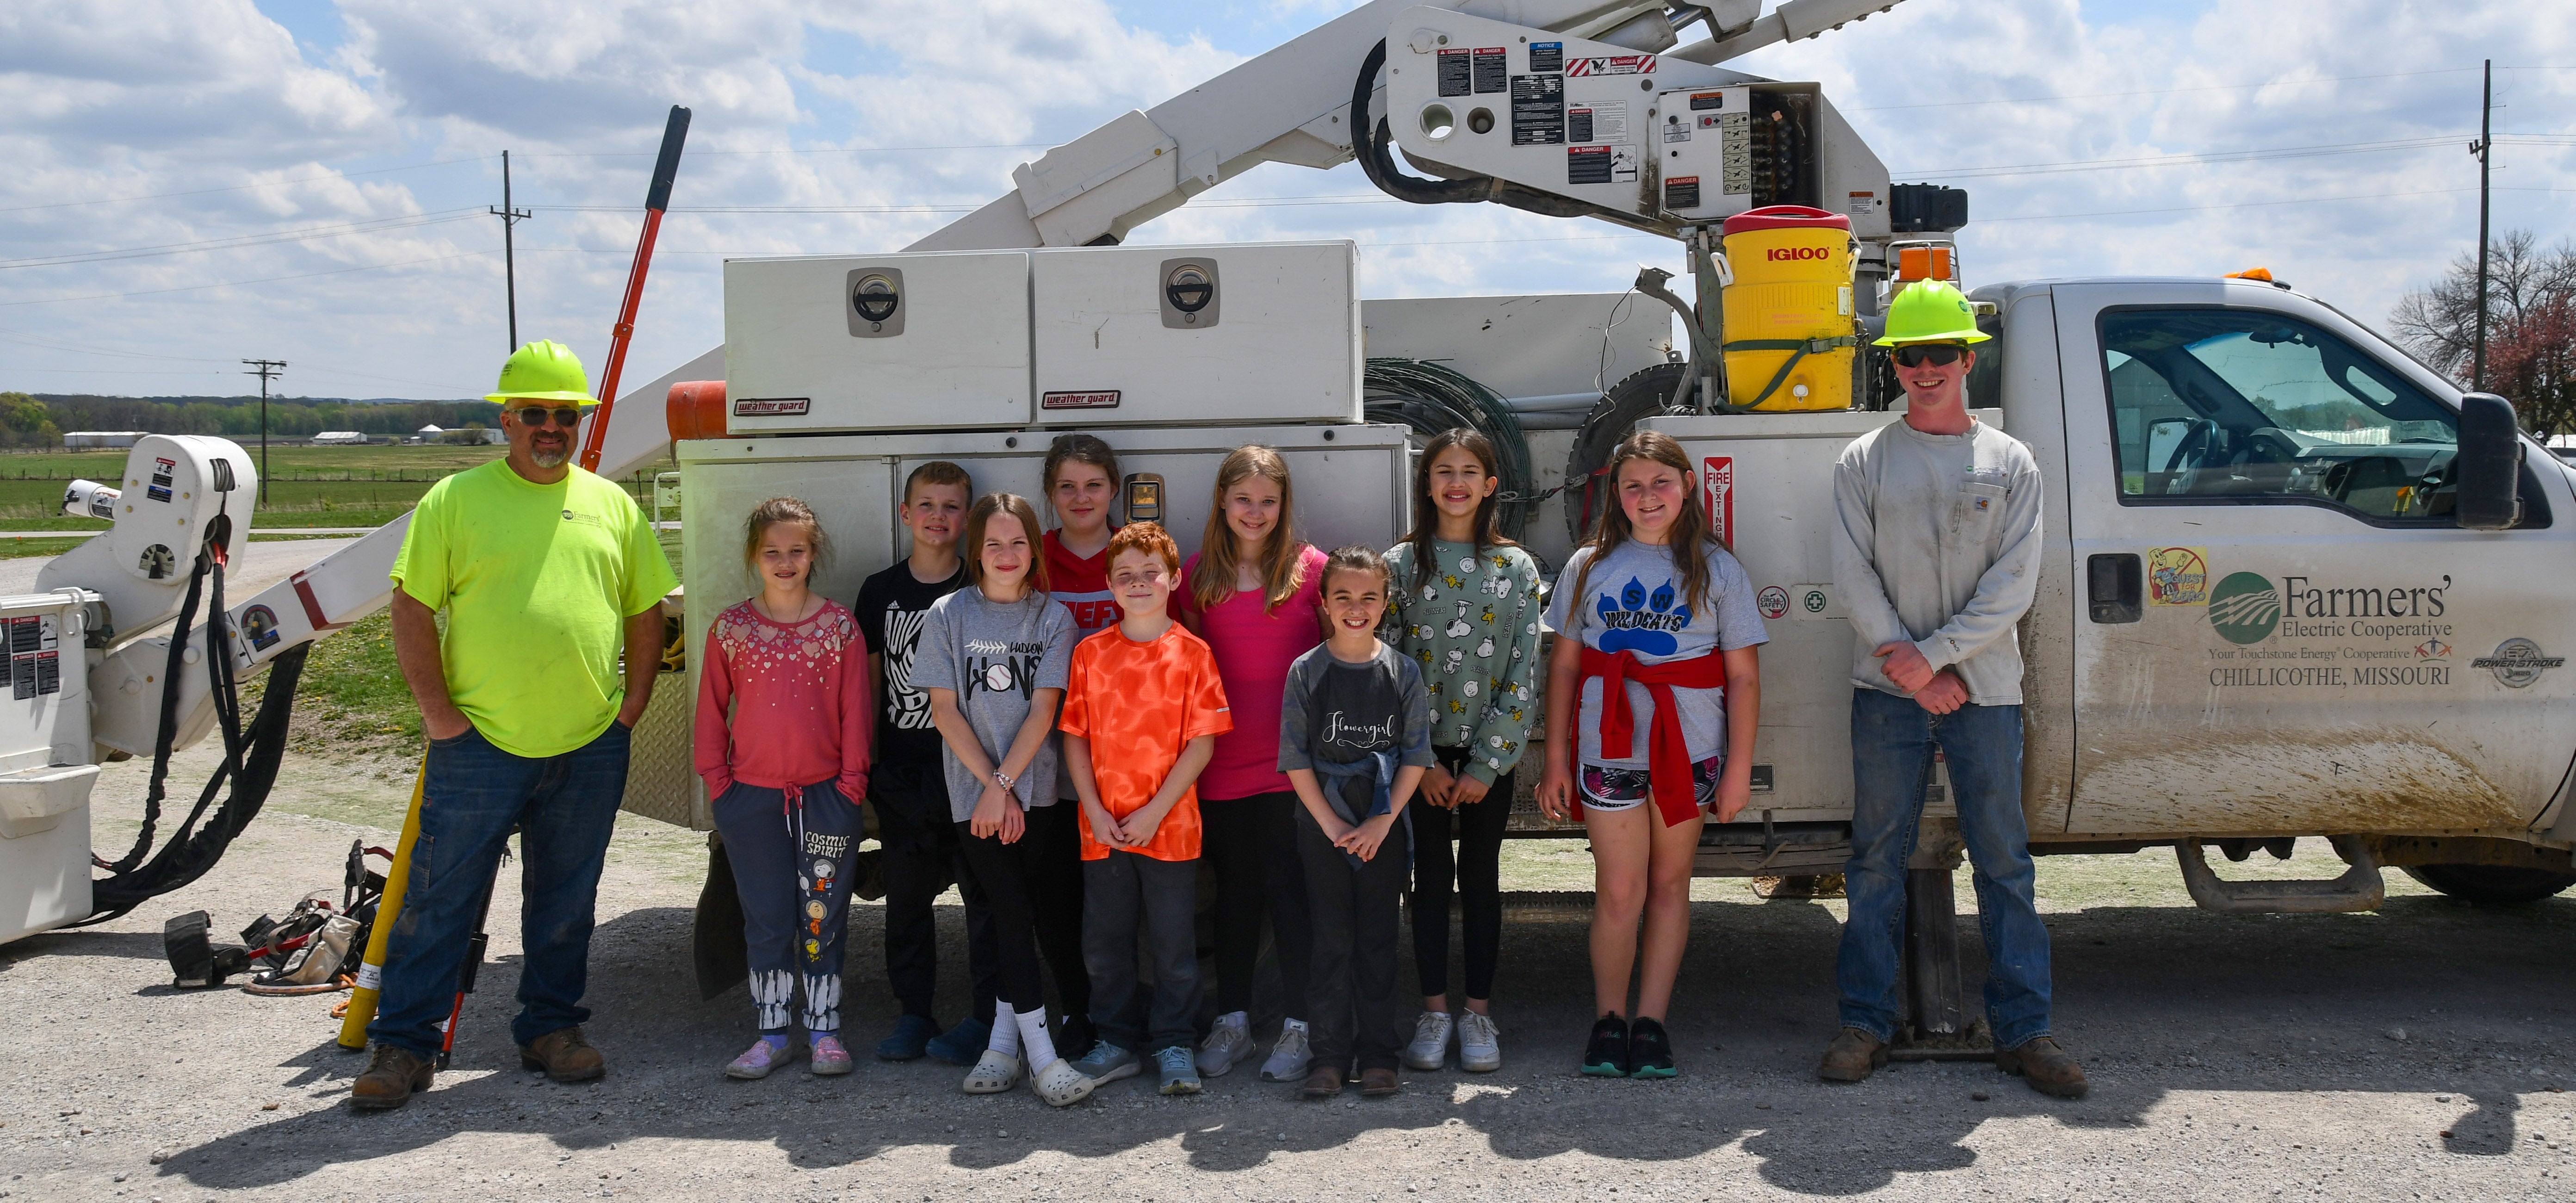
(1667, 749)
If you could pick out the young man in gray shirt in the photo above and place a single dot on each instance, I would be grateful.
(1937, 554)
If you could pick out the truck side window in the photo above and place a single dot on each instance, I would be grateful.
(2234, 406)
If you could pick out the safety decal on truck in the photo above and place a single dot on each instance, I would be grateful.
(1090, 399)
(259, 626)
(1773, 601)
(1457, 73)
(1617, 64)
(162, 471)
(1601, 164)
(1538, 110)
(35, 656)
(1492, 69)
(1717, 482)
(2178, 576)
(771, 407)
(1547, 57)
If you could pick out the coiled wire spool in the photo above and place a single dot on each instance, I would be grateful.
(1430, 398)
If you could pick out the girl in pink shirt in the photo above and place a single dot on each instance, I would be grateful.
(1252, 593)
(782, 742)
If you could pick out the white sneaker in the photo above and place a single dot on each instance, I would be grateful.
(1288, 1058)
(993, 1073)
(1430, 1047)
(1229, 1041)
(1480, 1047)
(1060, 1084)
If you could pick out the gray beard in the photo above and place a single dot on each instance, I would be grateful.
(549, 459)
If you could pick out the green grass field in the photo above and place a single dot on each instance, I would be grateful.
(307, 486)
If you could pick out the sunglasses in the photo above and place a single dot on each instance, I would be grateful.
(536, 415)
(1915, 355)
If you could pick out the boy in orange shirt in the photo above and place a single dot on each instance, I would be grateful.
(1142, 710)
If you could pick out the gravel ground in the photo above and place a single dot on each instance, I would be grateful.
(2414, 1053)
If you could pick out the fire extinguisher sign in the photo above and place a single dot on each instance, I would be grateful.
(1717, 479)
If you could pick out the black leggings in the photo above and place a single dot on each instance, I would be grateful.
(1035, 888)
(1478, 870)
(1251, 845)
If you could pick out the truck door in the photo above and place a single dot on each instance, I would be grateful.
(2280, 626)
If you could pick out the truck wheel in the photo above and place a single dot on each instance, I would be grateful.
(2493, 885)
(1644, 394)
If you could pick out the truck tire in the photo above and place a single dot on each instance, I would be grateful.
(1643, 394)
(2492, 885)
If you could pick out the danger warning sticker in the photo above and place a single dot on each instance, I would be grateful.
(771, 407)
(1456, 74)
(1491, 71)
(1681, 192)
(1601, 164)
(1620, 64)
(1092, 399)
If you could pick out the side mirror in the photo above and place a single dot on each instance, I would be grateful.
(2490, 464)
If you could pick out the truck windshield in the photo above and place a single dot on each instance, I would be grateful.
(2241, 406)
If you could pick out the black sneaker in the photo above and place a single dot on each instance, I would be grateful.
(1607, 1055)
(1650, 1051)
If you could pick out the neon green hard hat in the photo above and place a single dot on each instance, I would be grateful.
(1930, 311)
(543, 371)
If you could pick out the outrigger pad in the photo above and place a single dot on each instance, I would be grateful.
(717, 945)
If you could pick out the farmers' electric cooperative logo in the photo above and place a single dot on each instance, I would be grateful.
(2245, 608)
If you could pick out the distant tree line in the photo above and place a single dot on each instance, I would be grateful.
(39, 420)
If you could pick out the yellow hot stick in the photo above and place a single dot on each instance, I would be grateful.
(371, 971)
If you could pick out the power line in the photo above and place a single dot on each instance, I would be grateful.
(2269, 83)
(342, 271)
(2185, 160)
(310, 179)
(239, 241)
(266, 370)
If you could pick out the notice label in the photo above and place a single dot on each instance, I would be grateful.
(1456, 73)
(1091, 399)
(1717, 482)
(1547, 57)
(1622, 64)
(1604, 122)
(1538, 110)
(1866, 204)
(1492, 69)
(1675, 131)
(772, 407)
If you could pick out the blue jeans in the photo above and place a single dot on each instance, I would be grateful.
(1892, 741)
(565, 808)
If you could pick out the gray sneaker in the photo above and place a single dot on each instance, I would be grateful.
(1180, 1070)
(1107, 1063)
(1480, 1047)
(1430, 1047)
(1288, 1058)
(1229, 1041)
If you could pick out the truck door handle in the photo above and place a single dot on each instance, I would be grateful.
(2113, 587)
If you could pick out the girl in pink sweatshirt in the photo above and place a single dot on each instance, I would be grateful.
(782, 742)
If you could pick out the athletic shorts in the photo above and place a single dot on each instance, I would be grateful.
(1615, 789)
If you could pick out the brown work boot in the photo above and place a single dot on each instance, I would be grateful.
(1378, 1083)
(1322, 1082)
(1852, 1057)
(392, 1075)
(2045, 1066)
(565, 1054)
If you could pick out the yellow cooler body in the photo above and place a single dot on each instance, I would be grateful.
(1789, 328)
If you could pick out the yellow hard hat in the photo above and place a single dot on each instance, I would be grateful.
(1931, 311)
(543, 371)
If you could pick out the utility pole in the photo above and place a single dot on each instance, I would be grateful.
(266, 370)
(2482, 148)
(510, 219)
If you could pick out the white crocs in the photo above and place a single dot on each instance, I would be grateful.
(1060, 1084)
(993, 1073)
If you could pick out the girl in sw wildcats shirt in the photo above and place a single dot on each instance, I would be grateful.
(1655, 691)
(782, 741)
(995, 657)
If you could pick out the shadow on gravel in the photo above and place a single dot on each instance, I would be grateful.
(2425, 996)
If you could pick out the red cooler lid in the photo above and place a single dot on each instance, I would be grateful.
(1784, 217)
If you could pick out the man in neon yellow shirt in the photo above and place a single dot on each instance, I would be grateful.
(547, 574)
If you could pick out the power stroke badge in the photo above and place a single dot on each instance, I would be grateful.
(2518, 662)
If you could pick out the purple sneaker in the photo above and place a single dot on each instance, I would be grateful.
(764, 1055)
(827, 1058)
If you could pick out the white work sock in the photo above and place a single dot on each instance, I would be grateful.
(1034, 1038)
(1006, 1034)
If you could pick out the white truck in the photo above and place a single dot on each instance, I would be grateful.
(2297, 585)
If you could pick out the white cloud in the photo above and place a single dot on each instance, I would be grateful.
(792, 96)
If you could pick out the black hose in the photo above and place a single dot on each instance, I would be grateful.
(1368, 145)
(1430, 398)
